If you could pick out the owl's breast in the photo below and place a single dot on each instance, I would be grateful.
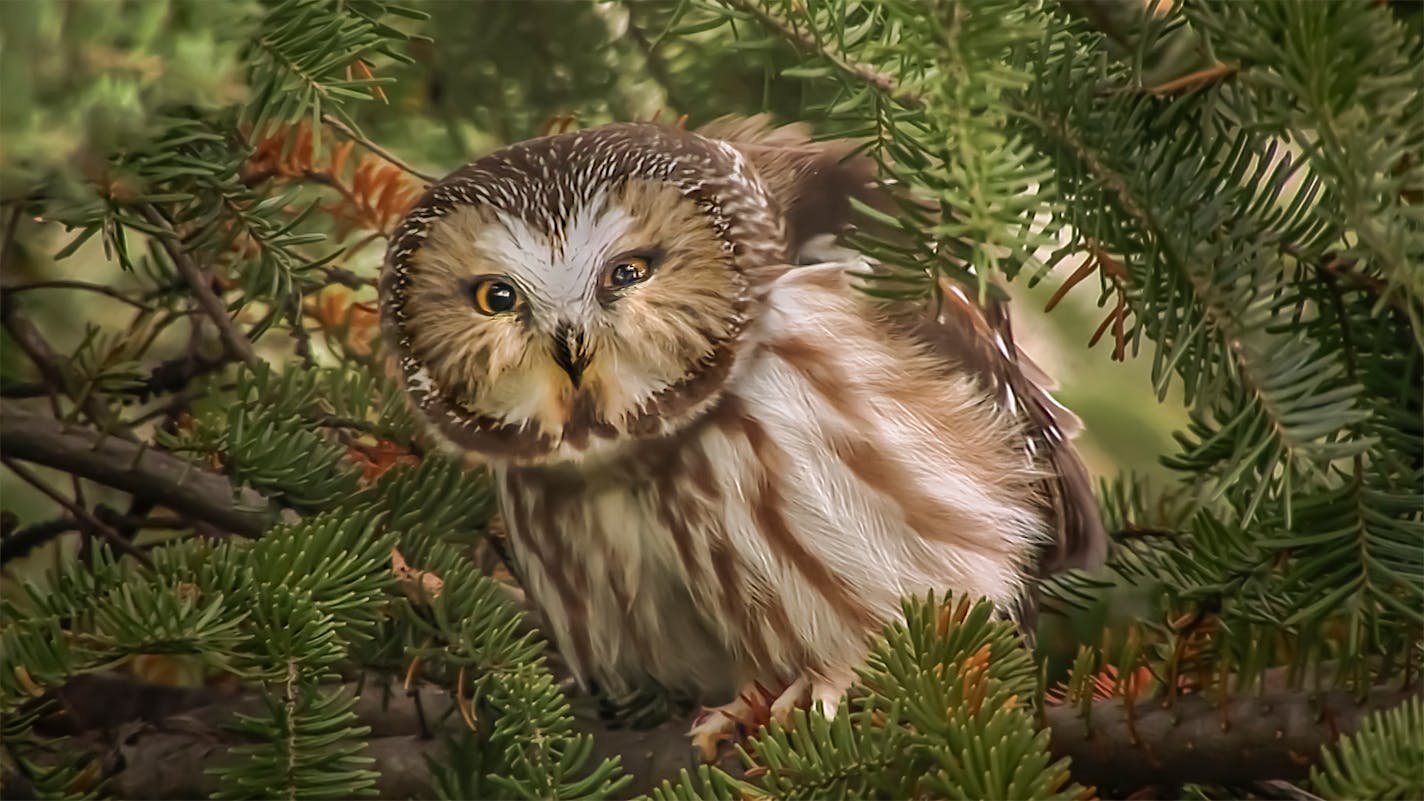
(597, 553)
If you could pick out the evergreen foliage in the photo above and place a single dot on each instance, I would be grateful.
(945, 713)
(212, 185)
(1384, 759)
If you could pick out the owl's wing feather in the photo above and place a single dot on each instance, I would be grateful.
(980, 337)
(813, 183)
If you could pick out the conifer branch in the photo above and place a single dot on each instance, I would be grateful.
(235, 341)
(137, 469)
(355, 136)
(1258, 738)
(872, 77)
(1197, 739)
(90, 523)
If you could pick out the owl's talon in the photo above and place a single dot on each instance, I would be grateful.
(828, 689)
(795, 695)
(729, 723)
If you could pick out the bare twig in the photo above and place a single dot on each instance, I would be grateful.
(346, 278)
(51, 366)
(347, 131)
(7, 239)
(78, 512)
(235, 341)
(179, 485)
(18, 543)
(27, 389)
(174, 374)
(80, 285)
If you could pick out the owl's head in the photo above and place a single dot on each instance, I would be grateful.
(571, 293)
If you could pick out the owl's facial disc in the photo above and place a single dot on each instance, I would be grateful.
(583, 326)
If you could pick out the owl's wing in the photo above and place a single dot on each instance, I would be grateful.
(980, 338)
(813, 183)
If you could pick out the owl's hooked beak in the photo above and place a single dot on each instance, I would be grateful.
(571, 351)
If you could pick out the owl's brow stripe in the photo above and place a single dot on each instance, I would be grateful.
(768, 512)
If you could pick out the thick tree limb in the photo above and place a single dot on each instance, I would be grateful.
(133, 468)
(173, 736)
(1275, 735)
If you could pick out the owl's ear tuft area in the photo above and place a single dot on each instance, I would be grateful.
(813, 182)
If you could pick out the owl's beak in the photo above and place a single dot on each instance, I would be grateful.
(571, 351)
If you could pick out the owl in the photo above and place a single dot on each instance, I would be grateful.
(720, 463)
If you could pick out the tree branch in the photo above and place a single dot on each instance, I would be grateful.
(20, 542)
(134, 468)
(235, 341)
(356, 137)
(79, 513)
(1261, 738)
(50, 365)
(877, 80)
(84, 286)
(1274, 735)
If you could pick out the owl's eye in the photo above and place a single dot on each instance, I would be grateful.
(626, 271)
(495, 296)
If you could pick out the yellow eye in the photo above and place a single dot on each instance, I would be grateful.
(626, 271)
(495, 296)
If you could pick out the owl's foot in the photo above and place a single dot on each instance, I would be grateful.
(796, 694)
(749, 711)
(755, 706)
(821, 691)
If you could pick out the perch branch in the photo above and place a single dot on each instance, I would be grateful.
(1274, 735)
(177, 484)
(1186, 742)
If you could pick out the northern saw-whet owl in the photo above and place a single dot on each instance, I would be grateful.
(721, 465)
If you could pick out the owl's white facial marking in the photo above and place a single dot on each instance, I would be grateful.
(558, 270)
